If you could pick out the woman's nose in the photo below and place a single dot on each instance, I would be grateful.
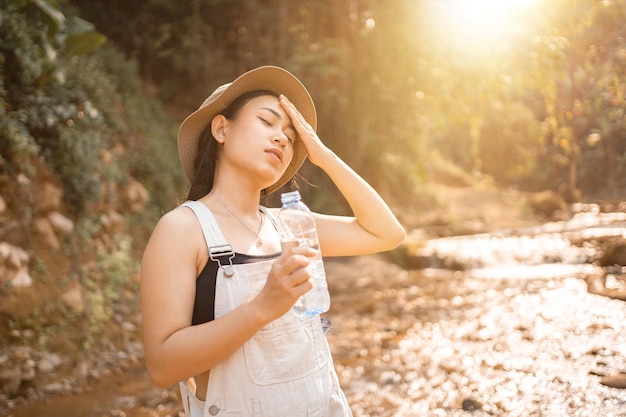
(281, 139)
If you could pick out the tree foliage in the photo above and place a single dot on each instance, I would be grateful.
(61, 102)
(537, 108)
(541, 109)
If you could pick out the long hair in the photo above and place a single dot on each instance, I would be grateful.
(208, 148)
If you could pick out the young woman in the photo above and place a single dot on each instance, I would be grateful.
(216, 291)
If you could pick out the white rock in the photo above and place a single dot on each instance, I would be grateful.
(46, 231)
(22, 279)
(73, 298)
(49, 363)
(60, 223)
(12, 255)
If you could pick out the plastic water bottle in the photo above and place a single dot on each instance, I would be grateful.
(297, 228)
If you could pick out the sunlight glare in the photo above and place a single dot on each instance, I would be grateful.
(483, 21)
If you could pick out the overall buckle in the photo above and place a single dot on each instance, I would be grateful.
(217, 253)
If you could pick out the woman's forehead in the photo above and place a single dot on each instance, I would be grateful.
(264, 101)
(267, 103)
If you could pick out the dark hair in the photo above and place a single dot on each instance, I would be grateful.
(206, 157)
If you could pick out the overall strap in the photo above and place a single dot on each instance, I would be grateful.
(270, 216)
(219, 249)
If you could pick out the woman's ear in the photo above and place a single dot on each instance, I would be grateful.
(218, 128)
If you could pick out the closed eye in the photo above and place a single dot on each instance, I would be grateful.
(290, 132)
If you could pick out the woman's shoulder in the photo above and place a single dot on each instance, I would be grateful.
(177, 236)
(179, 220)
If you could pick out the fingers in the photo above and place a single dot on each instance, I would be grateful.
(294, 260)
(297, 119)
(290, 273)
(315, 148)
(298, 282)
(287, 281)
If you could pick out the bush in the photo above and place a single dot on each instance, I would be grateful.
(70, 107)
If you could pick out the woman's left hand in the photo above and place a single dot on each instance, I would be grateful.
(315, 148)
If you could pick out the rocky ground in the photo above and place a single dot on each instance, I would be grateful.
(439, 343)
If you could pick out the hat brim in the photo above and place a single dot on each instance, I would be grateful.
(270, 78)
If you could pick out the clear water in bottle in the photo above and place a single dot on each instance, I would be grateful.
(297, 228)
(317, 300)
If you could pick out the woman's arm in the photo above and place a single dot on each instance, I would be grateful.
(174, 349)
(374, 228)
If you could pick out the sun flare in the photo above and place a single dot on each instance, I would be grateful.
(483, 21)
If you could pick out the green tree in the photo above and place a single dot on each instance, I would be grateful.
(392, 84)
(578, 62)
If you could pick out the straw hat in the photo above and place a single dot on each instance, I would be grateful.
(269, 78)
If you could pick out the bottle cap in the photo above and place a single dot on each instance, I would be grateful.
(290, 197)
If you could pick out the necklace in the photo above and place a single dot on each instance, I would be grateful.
(259, 241)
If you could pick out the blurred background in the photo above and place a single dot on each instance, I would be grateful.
(520, 100)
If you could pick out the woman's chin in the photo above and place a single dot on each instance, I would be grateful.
(267, 179)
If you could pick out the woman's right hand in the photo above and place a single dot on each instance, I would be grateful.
(287, 281)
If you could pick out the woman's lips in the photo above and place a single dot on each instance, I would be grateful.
(277, 153)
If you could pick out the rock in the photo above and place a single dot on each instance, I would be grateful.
(14, 265)
(44, 228)
(54, 388)
(390, 378)
(12, 255)
(22, 279)
(126, 402)
(23, 180)
(613, 252)
(5, 251)
(49, 363)
(614, 381)
(129, 327)
(22, 353)
(60, 223)
(10, 380)
(74, 299)
(113, 222)
(135, 195)
(83, 369)
(470, 405)
(28, 371)
(596, 284)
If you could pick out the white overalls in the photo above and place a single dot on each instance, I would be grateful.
(285, 370)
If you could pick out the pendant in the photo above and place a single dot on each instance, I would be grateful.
(259, 242)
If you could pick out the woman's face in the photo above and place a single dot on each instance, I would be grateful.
(258, 141)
